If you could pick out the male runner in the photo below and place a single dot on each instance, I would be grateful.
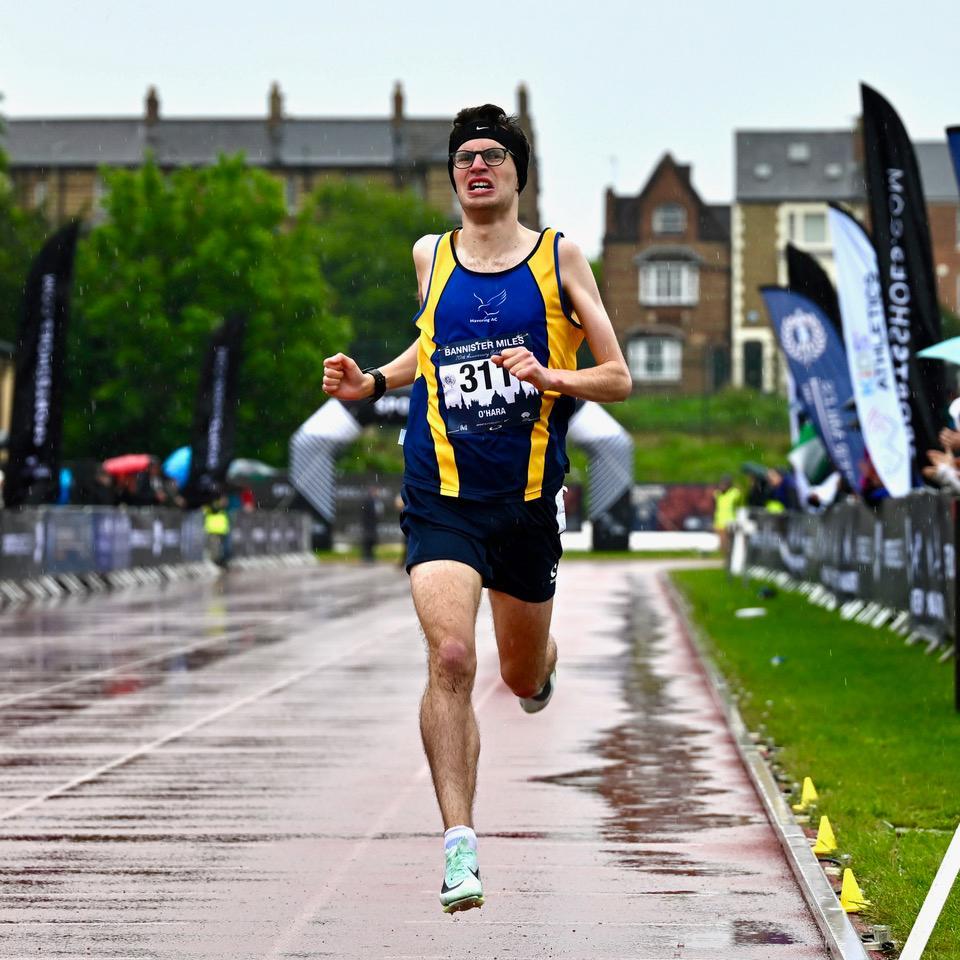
(503, 311)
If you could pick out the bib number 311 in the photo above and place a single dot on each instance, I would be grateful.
(479, 395)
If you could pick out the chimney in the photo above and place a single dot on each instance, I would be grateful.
(153, 107)
(522, 105)
(276, 105)
(397, 102)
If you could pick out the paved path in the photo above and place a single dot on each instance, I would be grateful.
(233, 770)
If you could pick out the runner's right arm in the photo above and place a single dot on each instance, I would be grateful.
(342, 376)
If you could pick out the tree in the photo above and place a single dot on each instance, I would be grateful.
(175, 255)
(365, 234)
(21, 236)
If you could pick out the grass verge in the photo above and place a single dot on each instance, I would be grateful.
(869, 719)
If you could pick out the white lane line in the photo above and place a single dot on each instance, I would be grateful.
(227, 634)
(146, 748)
(331, 883)
(142, 662)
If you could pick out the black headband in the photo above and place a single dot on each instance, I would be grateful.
(477, 129)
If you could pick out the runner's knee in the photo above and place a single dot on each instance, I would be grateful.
(454, 662)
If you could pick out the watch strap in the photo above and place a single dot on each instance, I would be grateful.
(379, 383)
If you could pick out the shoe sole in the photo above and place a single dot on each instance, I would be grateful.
(467, 903)
(530, 705)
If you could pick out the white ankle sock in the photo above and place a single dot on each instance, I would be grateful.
(454, 835)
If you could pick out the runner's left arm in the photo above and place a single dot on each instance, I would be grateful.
(610, 379)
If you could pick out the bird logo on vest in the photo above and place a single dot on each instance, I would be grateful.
(489, 309)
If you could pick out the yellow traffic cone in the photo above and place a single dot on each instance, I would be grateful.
(826, 841)
(851, 896)
(808, 795)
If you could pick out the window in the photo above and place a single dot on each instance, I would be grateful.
(656, 359)
(669, 218)
(814, 228)
(99, 213)
(798, 152)
(958, 228)
(763, 171)
(40, 193)
(667, 282)
(293, 193)
(833, 171)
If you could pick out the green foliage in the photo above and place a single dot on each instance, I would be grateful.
(175, 255)
(742, 411)
(676, 457)
(950, 323)
(21, 236)
(872, 722)
(597, 267)
(364, 237)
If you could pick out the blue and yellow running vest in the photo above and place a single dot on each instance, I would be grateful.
(474, 431)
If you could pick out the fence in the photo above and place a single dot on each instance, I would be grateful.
(900, 556)
(42, 541)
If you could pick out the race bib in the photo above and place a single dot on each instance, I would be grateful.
(479, 395)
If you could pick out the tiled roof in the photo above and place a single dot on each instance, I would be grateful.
(777, 165)
(936, 171)
(188, 142)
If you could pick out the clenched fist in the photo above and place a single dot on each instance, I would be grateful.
(343, 379)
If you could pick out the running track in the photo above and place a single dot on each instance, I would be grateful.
(233, 770)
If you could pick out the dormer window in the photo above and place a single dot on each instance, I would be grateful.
(669, 218)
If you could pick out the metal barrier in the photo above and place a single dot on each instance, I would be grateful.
(900, 556)
(41, 541)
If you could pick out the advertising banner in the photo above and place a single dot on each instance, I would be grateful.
(953, 138)
(69, 542)
(806, 277)
(898, 215)
(880, 412)
(901, 556)
(111, 539)
(818, 364)
(215, 414)
(33, 465)
(22, 544)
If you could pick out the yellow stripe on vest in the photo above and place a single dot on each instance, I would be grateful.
(563, 339)
(442, 269)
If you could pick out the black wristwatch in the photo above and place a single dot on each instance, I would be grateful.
(379, 383)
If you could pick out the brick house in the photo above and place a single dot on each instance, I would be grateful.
(784, 182)
(54, 162)
(666, 283)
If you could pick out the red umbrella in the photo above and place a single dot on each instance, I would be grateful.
(128, 463)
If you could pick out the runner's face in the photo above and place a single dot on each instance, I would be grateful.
(481, 186)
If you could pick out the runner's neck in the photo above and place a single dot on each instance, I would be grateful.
(494, 247)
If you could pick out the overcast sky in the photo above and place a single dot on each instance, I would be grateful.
(612, 85)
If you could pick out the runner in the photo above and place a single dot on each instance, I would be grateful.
(503, 311)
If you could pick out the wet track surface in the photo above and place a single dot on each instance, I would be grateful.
(233, 770)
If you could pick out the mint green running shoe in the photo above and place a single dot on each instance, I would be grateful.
(461, 888)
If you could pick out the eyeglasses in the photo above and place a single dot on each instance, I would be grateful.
(492, 157)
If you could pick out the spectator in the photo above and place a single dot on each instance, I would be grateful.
(102, 493)
(216, 525)
(942, 471)
(781, 491)
(727, 498)
(872, 489)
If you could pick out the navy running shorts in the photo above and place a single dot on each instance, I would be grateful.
(515, 547)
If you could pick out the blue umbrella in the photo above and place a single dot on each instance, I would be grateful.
(177, 465)
(948, 350)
